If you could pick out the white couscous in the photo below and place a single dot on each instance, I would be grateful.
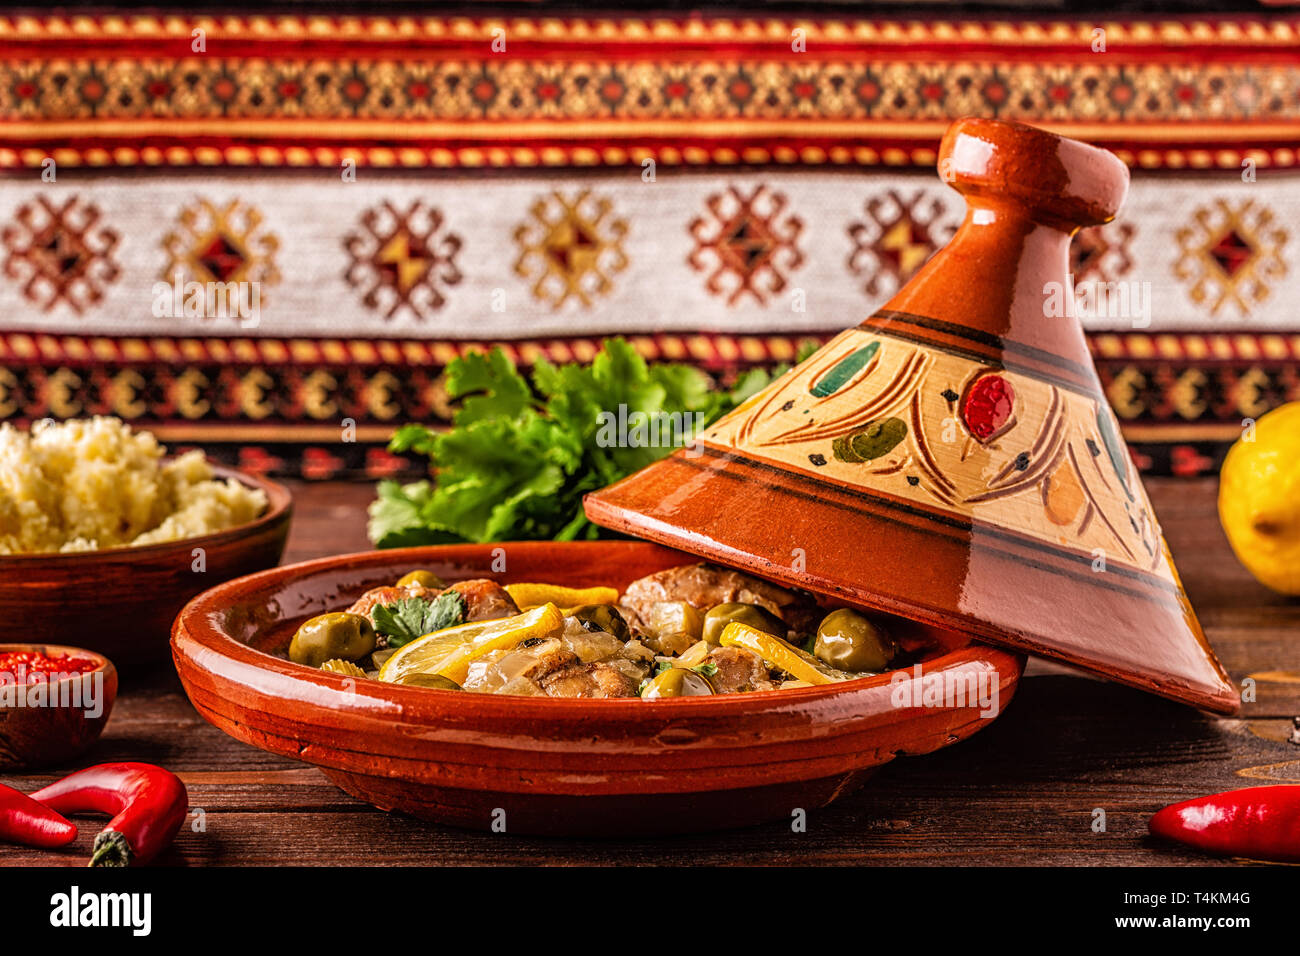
(89, 484)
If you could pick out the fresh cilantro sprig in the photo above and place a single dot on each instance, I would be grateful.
(413, 617)
(521, 454)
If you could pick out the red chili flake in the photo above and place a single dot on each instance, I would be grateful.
(987, 406)
(30, 667)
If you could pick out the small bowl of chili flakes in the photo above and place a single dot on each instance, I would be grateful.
(54, 702)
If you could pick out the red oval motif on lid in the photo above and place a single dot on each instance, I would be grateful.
(987, 406)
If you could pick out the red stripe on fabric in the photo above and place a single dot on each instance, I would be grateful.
(818, 52)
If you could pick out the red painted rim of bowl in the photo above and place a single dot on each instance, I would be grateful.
(195, 624)
(279, 506)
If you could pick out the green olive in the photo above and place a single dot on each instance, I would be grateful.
(849, 641)
(430, 680)
(603, 617)
(756, 617)
(421, 579)
(338, 635)
(678, 682)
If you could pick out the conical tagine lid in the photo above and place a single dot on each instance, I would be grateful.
(953, 459)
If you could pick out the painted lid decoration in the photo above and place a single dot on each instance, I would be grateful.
(953, 458)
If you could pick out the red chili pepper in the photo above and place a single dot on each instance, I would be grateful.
(1259, 822)
(23, 820)
(149, 804)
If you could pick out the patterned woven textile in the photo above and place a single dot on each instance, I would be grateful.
(357, 200)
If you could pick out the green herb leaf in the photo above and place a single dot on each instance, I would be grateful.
(402, 516)
(414, 438)
(707, 669)
(414, 617)
(490, 386)
(520, 455)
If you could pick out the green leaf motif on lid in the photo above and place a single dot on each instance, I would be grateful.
(876, 440)
(843, 371)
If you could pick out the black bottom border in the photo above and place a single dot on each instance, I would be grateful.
(965, 906)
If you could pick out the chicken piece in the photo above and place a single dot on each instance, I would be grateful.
(705, 586)
(739, 670)
(485, 600)
(588, 680)
(389, 595)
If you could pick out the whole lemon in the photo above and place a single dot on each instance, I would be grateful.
(1259, 499)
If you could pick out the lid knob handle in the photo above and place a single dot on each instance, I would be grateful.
(1060, 182)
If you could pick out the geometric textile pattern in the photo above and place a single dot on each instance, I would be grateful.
(402, 259)
(59, 253)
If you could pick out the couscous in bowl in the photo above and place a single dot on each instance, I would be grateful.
(120, 600)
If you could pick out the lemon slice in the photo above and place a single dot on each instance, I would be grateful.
(780, 653)
(533, 595)
(448, 653)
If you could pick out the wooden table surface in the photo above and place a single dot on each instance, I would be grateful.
(1023, 791)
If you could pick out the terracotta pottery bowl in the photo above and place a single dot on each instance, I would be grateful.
(122, 601)
(67, 717)
(544, 765)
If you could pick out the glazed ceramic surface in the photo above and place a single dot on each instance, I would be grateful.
(122, 601)
(550, 765)
(953, 459)
(71, 716)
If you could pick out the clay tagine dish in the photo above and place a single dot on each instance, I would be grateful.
(953, 459)
(584, 767)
